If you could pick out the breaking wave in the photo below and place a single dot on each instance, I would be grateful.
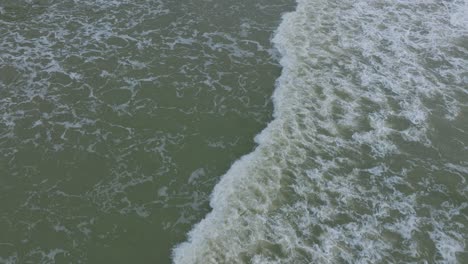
(366, 158)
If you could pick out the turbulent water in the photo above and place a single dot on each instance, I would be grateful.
(117, 118)
(366, 160)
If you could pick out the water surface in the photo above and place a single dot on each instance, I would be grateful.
(118, 117)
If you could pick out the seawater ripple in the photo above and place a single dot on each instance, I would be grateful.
(117, 116)
(366, 158)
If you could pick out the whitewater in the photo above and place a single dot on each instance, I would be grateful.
(366, 159)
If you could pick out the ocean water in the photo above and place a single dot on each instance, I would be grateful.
(127, 131)
(366, 160)
(117, 118)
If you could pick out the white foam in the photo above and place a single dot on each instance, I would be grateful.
(47, 256)
(9, 259)
(329, 181)
(196, 175)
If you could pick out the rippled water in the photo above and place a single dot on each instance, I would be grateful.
(366, 160)
(118, 117)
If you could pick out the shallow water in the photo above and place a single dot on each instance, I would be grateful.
(118, 117)
(366, 160)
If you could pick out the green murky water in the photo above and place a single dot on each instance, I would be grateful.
(127, 131)
(118, 117)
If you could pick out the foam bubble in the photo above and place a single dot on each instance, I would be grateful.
(348, 169)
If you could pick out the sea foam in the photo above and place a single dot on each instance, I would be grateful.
(349, 169)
